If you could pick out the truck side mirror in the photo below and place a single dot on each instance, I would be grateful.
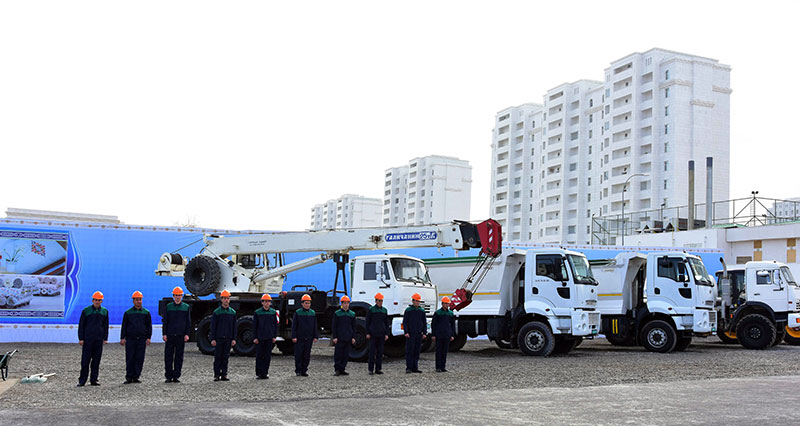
(379, 272)
(683, 278)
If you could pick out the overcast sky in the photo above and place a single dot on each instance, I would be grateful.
(243, 115)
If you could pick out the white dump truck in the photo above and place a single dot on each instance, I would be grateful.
(539, 300)
(758, 305)
(658, 300)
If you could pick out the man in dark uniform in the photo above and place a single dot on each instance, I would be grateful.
(223, 329)
(137, 327)
(443, 329)
(304, 334)
(92, 335)
(175, 329)
(415, 327)
(378, 327)
(343, 332)
(265, 324)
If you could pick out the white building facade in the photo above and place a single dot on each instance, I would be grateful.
(347, 211)
(557, 164)
(432, 189)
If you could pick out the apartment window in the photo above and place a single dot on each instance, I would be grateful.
(589, 197)
(590, 163)
(666, 111)
(573, 167)
(588, 181)
(666, 92)
(590, 151)
(666, 166)
(588, 213)
(666, 129)
(666, 146)
(590, 134)
(591, 104)
(648, 61)
(665, 183)
(606, 125)
(666, 75)
(591, 118)
(571, 229)
(608, 91)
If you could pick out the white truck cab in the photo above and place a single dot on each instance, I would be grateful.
(659, 300)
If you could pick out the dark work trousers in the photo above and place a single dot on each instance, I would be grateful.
(302, 355)
(413, 347)
(173, 356)
(341, 353)
(376, 353)
(263, 356)
(221, 353)
(92, 351)
(442, 345)
(134, 357)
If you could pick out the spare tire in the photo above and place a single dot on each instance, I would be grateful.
(202, 276)
(245, 333)
(202, 334)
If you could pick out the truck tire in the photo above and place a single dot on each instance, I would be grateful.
(536, 339)
(779, 336)
(565, 344)
(202, 276)
(427, 344)
(503, 344)
(617, 340)
(659, 336)
(395, 347)
(755, 331)
(682, 344)
(578, 341)
(457, 343)
(203, 336)
(285, 346)
(245, 333)
(727, 337)
(792, 337)
(360, 351)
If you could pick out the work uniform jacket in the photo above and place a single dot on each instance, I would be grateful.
(265, 323)
(443, 325)
(136, 324)
(414, 320)
(177, 320)
(378, 322)
(223, 324)
(304, 324)
(344, 324)
(93, 324)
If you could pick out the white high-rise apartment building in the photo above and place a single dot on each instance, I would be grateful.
(347, 211)
(557, 164)
(787, 210)
(432, 189)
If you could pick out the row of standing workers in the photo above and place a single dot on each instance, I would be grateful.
(137, 328)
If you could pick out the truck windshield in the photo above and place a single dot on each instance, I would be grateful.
(581, 270)
(410, 270)
(701, 276)
(787, 275)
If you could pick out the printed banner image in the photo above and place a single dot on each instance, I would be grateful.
(32, 273)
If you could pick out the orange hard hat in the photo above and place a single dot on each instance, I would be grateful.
(266, 297)
(177, 291)
(305, 297)
(97, 295)
(416, 296)
(225, 293)
(378, 296)
(344, 299)
(137, 294)
(445, 299)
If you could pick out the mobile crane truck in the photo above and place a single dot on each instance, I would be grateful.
(541, 301)
(758, 305)
(241, 265)
(658, 300)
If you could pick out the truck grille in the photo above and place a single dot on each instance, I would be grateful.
(427, 307)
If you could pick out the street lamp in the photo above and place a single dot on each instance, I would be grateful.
(624, 188)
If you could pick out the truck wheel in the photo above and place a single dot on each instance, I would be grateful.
(395, 347)
(360, 351)
(779, 336)
(578, 341)
(683, 343)
(536, 339)
(286, 347)
(202, 276)
(618, 340)
(503, 344)
(755, 331)
(565, 344)
(203, 336)
(727, 337)
(792, 337)
(427, 344)
(458, 343)
(245, 333)
(659, 336)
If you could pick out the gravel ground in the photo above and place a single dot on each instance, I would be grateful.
(479, 366)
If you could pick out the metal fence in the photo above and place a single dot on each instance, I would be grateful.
(752, 211)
